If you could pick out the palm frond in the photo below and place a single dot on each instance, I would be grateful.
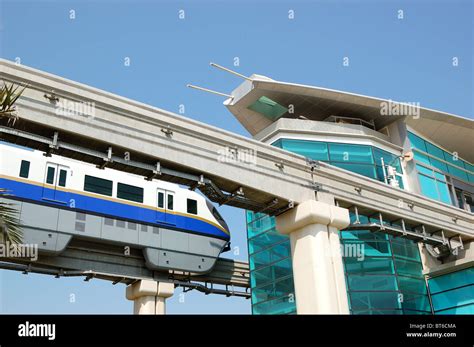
(8, 96)
(10, 230)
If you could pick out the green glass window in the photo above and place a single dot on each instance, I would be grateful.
(350, 153)
(417, 142)
(422, 158)
(50, 175)
(62, 178)
(269, 108)
(434, 150)
(375, 300)
(161, 199)
(24, 168)
(310, 149)
(283, 305)
(452, 159)
(170, 204)
(372, 265)
(97, 185)
(451, 280)
(409, 268)
(458, 173)
(191, 206)
(453, 298)
(128, 192)
(412, 285)
(371, 282)
(439, 165)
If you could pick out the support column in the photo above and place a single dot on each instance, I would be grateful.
(316, 254)
(149, 296)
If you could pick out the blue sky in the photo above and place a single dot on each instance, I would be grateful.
(409, 59)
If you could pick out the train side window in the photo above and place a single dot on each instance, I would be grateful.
(128, 192)
(161, 200)
(192, 206)
(170, 201)
(62, 178)
(24, 168)
(98, 185)
(50, 175)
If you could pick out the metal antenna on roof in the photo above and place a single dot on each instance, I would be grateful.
(229, 70)
(208, 90)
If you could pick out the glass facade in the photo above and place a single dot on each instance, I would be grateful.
(271, 274)
(436, 170)
(362, 159)
(453, 293)
(385, 276)
(386, 279)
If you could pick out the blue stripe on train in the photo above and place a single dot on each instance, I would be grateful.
(110, 208)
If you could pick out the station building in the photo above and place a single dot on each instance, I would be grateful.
(421, 151)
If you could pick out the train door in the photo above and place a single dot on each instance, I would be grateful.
(165, 206)
(55, 177)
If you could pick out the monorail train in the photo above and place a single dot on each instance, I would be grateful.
(61, 198)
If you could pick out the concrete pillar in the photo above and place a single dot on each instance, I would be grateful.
(149, 296)
(320, 285)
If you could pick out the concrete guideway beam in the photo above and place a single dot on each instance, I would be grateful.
(317, 262)
(149, 296)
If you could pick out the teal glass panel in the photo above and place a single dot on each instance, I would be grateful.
(277, 143)
(453, 298)
(452, 159)
(417, 142)
(260, 225)
(439, 176)
(412, 285)
(468, 309)
(363, 235)
(443, 191)
(284, 305)
(361, 169)
(439, 165)
(271, 273)
(377, 265)
(415, 302)
(428, 187)
(264, 240)
(259, 259)
(457, 172)
(451, 280)
(406, 251)
(469, 167)
(377, 311)
(369, 248)
(471, 178)
(388, 158)
(350, 153)
(311, 149)
(424, 170)
(270, 255)
(422, 158)
(281, 288)
(269, 108)
(434, 150)
(409, 268)
(371, 282)
(374, 300)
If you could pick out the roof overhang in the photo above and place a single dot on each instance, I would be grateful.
(451, 132)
